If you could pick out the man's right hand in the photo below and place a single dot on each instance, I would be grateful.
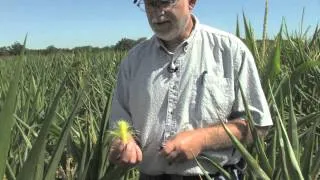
(125, 154)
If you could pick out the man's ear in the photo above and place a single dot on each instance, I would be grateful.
(192, 3)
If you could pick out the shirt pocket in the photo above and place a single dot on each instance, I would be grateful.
(212, 99)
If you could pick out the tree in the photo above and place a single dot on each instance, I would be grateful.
(51, 49)
(124, 44)
(15, 48)
(4, 51)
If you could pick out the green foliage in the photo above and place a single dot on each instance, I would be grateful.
(123, 45)
(6, 114)
(16, 48)
(59, 132)
(51, 49)
(126, 44)
(290, 70)
(54, 111)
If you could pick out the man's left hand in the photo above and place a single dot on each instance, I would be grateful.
(184, 146)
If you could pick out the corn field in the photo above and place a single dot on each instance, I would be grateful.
(54, 112)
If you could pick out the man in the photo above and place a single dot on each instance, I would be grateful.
(175, 89)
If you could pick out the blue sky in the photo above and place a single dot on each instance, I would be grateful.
(70, 23)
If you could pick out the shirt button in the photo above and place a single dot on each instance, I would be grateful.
(166, 135)
(185, 48)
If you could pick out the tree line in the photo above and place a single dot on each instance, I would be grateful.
(123, 45)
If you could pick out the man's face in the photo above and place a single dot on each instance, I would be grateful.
(168, 21)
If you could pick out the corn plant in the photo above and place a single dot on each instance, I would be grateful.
(54, 112)
(58, 121)
(290, 74)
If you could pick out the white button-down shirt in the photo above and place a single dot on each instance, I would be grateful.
(162, 93)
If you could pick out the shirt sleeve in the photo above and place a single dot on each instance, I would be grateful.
(248, 77)
(120, 100)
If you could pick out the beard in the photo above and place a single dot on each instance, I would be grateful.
(168, 29)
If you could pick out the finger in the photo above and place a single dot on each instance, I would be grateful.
(117, 145)
(168, 147)
(127, 153)
(114, 158)
(115, 151)
(181, 157)
(172, 156)
(132, 154)
(118, 157)
(139, 154)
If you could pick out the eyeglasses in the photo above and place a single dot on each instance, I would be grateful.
(142, 4)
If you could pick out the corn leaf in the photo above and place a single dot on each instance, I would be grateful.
(287, 152)
(273, 153)
(264, 34)
(238, 28)
(309, 145)
(292, 127)
(282, 149)
(33, 167)
(10, 173)
(315, 172)
(24, 136)
(258, 142)
(50, 173)
(114, 172)
(102, 150)
(84, 159)
(6, 114)
(252, 163)
(315, 37)
(273, 67)
(303, 68)
(250, 40)
(202, 169)
(217, 166)
(310, 118)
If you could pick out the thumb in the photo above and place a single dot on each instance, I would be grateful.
(116, 148)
